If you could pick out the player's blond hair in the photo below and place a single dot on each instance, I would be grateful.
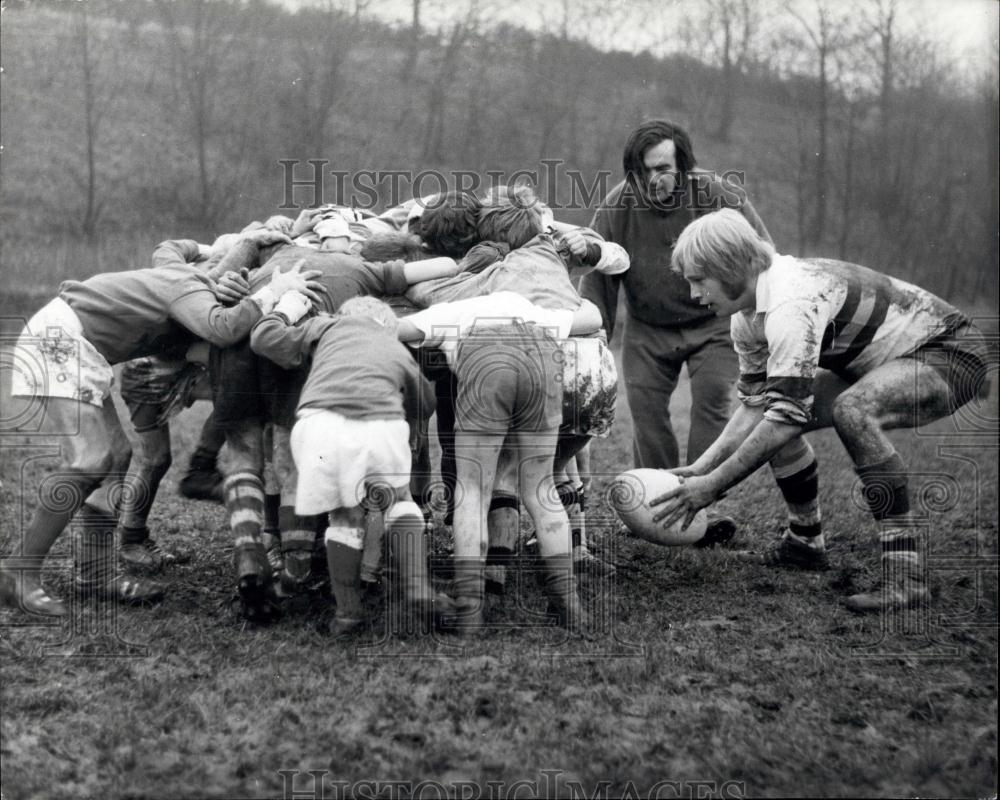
(722, 245)
(372, 308)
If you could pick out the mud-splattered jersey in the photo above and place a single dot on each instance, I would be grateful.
(818, 313)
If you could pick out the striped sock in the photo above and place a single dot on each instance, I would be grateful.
(796, 472)
(244, 498)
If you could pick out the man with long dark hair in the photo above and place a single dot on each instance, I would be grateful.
(661, 194)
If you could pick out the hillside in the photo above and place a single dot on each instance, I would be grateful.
(125, 123)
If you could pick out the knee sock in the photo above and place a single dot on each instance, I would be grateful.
(503, 526)
(796, 472)
(469, 590)
(59, 498)
(343, 559)
(244, 497)
(886, 492)
(578, 515)
(96, 541)
(127, 535)
(297, 536)
(404, 526)
(371, 558)
(271, 531)
(570, 499)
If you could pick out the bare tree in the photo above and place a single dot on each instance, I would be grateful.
(324, 40)
(443, 79)
(93, 58)
(731, 27)
(825, 32)
(210, 57)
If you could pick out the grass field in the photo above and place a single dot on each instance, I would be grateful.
(709, 677)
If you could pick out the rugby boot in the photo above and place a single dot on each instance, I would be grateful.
(203, 481)
(29, 595)
(903, 585)
(141, 553)
(253, 583)
(719, 532)
(128, 590)
(790, 552)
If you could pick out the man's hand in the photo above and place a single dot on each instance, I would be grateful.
(231, 288)
(682, 503)
(304, 222)
(279, 222)
(297, 280)
(575, 241)
(263, 237)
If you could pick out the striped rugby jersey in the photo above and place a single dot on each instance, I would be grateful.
(818, 313)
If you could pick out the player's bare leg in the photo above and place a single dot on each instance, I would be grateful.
(503, 521)
(552, 528)
(150, 462)
(477, 456)
(87, 435)
(573, 498)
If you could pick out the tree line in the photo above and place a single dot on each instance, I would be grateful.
(856, 139)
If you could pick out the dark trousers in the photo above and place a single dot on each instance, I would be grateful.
(652, 358)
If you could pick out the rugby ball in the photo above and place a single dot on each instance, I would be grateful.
(630, 495)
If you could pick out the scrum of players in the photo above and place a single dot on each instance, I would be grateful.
(326, 343)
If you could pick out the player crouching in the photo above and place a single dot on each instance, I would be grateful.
(824, 343)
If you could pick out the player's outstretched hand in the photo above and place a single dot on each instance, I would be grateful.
(296, 279)
(231, 288)
(682, 503)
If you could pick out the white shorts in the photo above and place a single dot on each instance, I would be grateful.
(337, 458)
(53, 359)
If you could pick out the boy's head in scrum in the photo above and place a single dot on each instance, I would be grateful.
(392, 246)
(511, 216)
(372, 308)
(447, 225)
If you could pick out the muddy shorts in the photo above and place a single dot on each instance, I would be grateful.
(590, 387)
(962, 357)
(52, 358)
(157, 388)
